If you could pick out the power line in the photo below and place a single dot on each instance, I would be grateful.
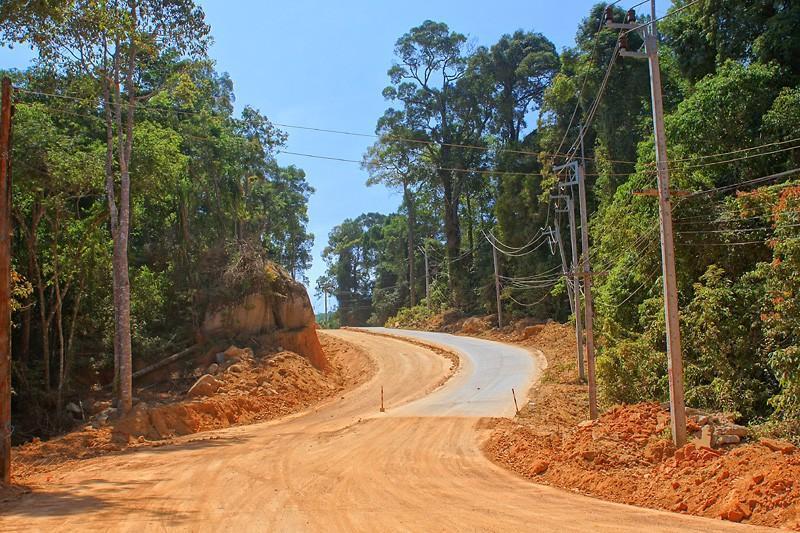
(150, 107)
(673, 12)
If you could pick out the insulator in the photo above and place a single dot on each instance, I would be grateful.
(609, 15)
(630, 16)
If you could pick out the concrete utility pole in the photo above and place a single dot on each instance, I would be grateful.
(497, 288)
(557, 236)
(578, 179)
(576, 287)
(5, 282)
(676, 392)
(325, 294)
(427, 275)
(587, 288)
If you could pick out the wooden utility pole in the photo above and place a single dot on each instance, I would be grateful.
(677, 402)
(576, 287)
(497, 288)
(5, 282)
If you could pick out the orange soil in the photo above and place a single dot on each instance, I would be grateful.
(263, 389)
(625, 456)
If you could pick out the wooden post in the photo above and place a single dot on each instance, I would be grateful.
(383, 409)
(5, 282)
(516, 407)
(497, 289)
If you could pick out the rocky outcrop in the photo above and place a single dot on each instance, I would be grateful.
(282, 310)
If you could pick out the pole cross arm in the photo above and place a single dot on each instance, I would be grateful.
(636, 55)
(572, 164)
(622, 25)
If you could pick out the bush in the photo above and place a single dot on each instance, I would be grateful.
(417, 317)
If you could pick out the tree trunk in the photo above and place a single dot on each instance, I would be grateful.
(452, 230)
(120, 217)
(470, 228)
(409, 201)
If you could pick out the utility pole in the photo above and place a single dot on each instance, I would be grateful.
(5, 282)
(576, 287)
(497, 288)
(587, 288)
(325, 294)
(578, 179)
(677, 405)
(557, 236)
(427, 275)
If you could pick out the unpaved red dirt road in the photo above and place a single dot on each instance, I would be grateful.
(341, 467)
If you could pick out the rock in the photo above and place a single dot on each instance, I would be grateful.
(237, 354)
(212, 368)
(539, 467)
(205, 386)
(236, 369)
(735, 512)
(723, 440)
(473, 325)
(197, 372)
(732, 429)
(705, 436)
(532, 331)
(778, 446)
(73, 408)
(219, 358)
(102, 418)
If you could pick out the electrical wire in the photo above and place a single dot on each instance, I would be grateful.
(393, 138)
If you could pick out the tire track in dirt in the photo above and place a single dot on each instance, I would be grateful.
(342, 467)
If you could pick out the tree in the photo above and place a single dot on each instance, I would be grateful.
(431, 61)
(396, 161)
(112, 42)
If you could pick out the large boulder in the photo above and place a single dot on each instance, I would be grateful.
(282, 309)
(205, 386)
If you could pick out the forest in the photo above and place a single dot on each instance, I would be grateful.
(118, 91)
(470, 137)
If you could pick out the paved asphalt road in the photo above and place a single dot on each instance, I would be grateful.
(483, 383)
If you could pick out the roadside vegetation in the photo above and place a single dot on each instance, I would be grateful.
(469, 138)
(124, 131)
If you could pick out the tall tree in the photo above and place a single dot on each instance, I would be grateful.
(112, 41)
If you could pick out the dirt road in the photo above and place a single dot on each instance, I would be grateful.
(342, 467)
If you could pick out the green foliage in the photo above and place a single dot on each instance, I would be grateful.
(417, 317)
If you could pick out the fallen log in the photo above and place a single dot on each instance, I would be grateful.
(166, 361)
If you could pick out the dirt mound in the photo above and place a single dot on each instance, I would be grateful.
(626, 456)
(250, 389)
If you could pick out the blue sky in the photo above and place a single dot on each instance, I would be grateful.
(323, 64)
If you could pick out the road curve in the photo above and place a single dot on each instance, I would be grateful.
(483, 384)
(341, 467)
